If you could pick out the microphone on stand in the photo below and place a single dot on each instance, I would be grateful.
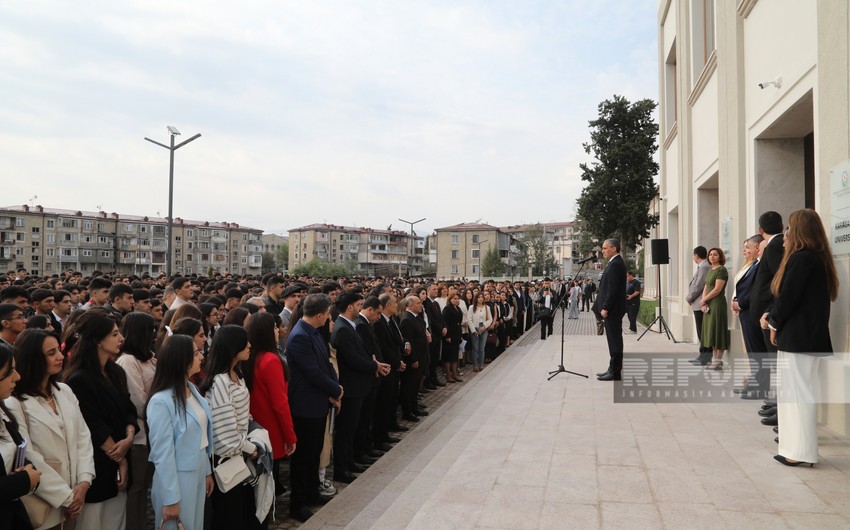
(592, 258)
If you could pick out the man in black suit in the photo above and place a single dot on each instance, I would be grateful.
(393, 348)
(414, 332)
(761, 299)
(611, 306)
(519, 320)
(357, 370)
(438, 331)
(370, 312)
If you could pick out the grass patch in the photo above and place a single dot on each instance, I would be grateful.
(646, 313)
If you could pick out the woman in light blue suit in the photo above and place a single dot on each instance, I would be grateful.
(180, 436)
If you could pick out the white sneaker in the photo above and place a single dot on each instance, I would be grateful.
(327, 488)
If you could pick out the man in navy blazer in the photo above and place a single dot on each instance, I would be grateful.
(753, 339)
(611, 305)
(313, 389)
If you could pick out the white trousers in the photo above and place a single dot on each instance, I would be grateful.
(110, 514)
(797, 397)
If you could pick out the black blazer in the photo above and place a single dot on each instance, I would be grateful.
(389, 341)
(413, 330)
(435, 318)
(612, 289)
(12, 488)
(800, 313)
(107, 412)
(356, 367)
(744, 287)
(453, 318)
(760, 297)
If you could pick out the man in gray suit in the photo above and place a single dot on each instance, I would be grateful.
(694, 298)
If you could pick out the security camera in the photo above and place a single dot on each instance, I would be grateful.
(776, 82)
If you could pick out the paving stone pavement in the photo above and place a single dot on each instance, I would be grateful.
(509, 449)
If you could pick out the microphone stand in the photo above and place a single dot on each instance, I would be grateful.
(563, 306)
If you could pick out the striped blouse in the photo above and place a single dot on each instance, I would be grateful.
(230, 405)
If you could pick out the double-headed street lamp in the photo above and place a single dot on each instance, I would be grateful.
(173, 132)
(410, 254)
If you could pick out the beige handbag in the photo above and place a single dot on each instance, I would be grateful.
(37, 508)
(179, 524)
(231, 472)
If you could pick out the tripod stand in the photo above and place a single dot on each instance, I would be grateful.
(563, 305)
(662, 324)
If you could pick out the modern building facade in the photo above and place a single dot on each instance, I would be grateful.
(754, 116)
(49, 240)
(372, 251)
(461, 248)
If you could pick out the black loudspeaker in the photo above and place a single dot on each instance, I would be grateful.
(660, 252)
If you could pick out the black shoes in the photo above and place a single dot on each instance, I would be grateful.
(600, 374)
(608, 377)
(770, 420)
(345, 478)
(437, 382)
(765, 412)
(429, 386)
(354, 467)
(398, 428)
(421, 412)
(782, 460)
(410, 417)
(383, 446)
(363, 461)
(300, 514)
(320, 500)
(391, 440)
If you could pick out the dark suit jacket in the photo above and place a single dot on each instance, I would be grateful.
(453, 317)
(744, 287)
(760, 297)
(312, 379)
(12, 488)
(356, 367)
(612, 289)
(414, 332)
(390, 342)
(435, 317)
(367, 334)
(800, 313)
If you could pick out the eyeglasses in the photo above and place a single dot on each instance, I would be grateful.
(199, 352)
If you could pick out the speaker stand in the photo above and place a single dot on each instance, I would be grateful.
(664, 328)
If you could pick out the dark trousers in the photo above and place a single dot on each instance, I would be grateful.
(234, 509)
(546, 326)
(614, 336)
(585, 302)
(363, 437)
(753, 342)
(434, 356)
(304, 463)
(386, 406)
(519, 325)
(409, 389)
(764, 359)
(346, 427)
(529, 319)
(632, 310)
(705, 353)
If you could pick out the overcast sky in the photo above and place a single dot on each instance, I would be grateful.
(346, 112)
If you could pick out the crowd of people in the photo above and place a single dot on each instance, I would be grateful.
(198, 389)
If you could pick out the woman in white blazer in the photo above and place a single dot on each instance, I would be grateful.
(49, 416)
(181, 437)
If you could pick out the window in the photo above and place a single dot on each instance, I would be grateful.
(70, 252)
(48, 266)
(670, 88)
(104, 240)
(202, 233)
(455, 239)
(476, 252)
(128, 227)
(702, 19)
(69, 237)
(205, 257)
(87, 253)
(105, 254)
(454, 254)
(476, 238)
(143, 229)
(51, 223)
(20, 236)
(69, 223)
(87, 225)
(19, 221)
(188, 257)
(190, 233)
(143, 255)
(51, 252)
(176, 238)
(454, 269)
(51, 238)
(19, 251)
(36, 230)
(475, 269)
(101, 227)
(87, 238)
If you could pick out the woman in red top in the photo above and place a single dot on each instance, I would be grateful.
(265, 376)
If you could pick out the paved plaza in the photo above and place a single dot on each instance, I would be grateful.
(509, 449)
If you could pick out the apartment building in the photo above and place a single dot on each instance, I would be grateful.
(754, 116)
(461, 248)
(372, 251)
(561, 240)
(49, 240)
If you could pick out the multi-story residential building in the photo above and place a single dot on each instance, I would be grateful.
(49, 240)
(754, 116)
(273, 242)
(561, 240)
(371, 251)
(461, 249)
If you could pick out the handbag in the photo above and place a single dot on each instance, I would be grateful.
(231, 472)
(38, 509)
(179, 524)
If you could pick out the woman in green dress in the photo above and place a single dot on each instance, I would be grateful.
(715, 334)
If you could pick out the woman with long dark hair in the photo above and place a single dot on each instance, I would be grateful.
(453, 318)
(48, 416)
(14, 482)
(101, 388)
(180, 437)
(211, 319)
(139, 364)
(804, 286)
(230, 403)
(266, 379)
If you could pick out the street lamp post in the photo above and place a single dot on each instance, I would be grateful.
(480, 259)
(410, 254)
(173, 132)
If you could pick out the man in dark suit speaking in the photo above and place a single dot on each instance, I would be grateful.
(611, 305)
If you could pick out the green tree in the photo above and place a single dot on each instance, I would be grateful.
(538, 254)
(320, 269)
(268, 262)
(615, 201)
(281, 257)
(492, 264)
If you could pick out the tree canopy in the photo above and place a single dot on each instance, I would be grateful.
(615, 202)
